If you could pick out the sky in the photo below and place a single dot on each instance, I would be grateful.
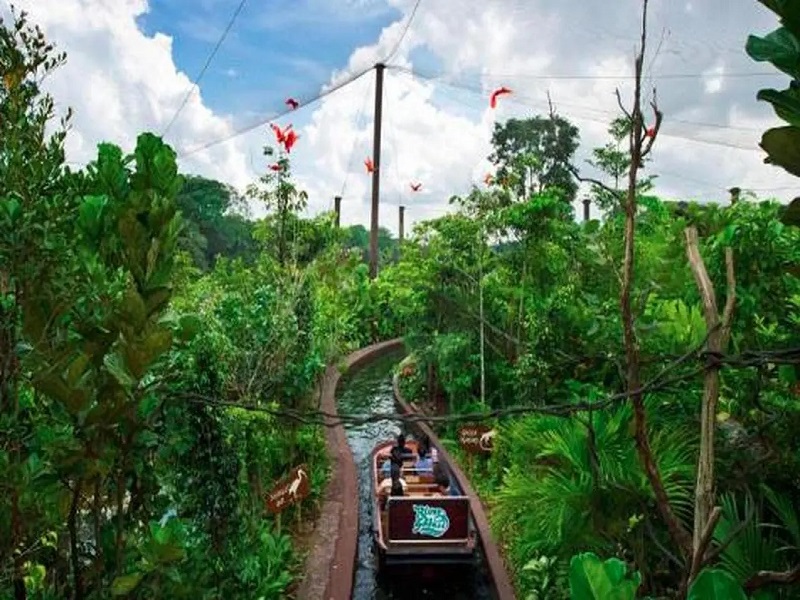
(131, 64)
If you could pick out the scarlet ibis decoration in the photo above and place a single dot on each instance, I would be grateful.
(285, 136)
(496, 94)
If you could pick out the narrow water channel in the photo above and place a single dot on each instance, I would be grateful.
(370, 391)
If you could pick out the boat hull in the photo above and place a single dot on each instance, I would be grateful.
(421, 528)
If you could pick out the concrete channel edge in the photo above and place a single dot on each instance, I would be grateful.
(504, 589)
(329, 568)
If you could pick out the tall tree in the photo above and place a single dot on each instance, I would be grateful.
(214, 223)
(615, 162)
(35, 213)
(280, 196)
(533, 154)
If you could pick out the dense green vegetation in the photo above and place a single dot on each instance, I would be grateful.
(151, 334)
(140, 318)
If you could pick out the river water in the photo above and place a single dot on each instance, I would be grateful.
(370, 391)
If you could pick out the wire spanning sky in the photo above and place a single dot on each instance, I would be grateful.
(136, 62)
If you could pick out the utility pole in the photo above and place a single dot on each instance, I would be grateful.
(401, 230)
(482, 318)
(376, 171)
(337, 207)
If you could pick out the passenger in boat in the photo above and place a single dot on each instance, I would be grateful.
(386, 467)
(400, 449)
(424, 462)
(443, 487)
(442, 481)
(391, 486)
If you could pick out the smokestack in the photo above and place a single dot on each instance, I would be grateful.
(337, 206)
(586, 209)
(401, 227)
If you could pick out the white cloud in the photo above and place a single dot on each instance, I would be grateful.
(121, 82)
(714, 79)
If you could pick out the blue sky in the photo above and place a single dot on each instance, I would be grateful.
(288, 49)
(436, 134)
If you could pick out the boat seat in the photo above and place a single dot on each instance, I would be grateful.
(421, 478)
(417, 490)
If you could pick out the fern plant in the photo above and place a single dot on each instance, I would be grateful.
(560, 498)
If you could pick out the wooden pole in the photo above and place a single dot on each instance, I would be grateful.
(337, 207)
(400, 229)
(376, 172)
(482, 330)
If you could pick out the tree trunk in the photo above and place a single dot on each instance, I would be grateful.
(718, 335)
(678, 534)
(75, 559)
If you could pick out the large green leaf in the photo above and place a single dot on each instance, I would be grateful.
(189, 325)
(125, 584)
(787, 10)
(786, 104)
(54, 386)
(593, 579)
(781, 48)
(116, 366)
(791, 216)
(715, 584)
(783, 146)
(133, 309)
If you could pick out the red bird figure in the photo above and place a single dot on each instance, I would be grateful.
(275, 167)
(415, 187)
(290, 137)
(292, 103)
(488, 179)
(369, 165)
(280, 134)
(651, 131)
(498, 92)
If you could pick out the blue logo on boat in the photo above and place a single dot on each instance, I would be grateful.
(430, 520)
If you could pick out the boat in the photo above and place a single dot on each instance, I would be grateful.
(421, 527)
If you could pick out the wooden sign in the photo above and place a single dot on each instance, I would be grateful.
(428, 519)
(476, 438)
(292, 488)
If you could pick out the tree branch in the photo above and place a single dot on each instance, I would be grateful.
(705, 487)
(656, 126)
(730, 301)
(764, 578)
(680, 537)
(572, 169)
(705, 539)
(622, 106)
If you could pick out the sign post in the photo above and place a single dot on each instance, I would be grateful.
(289, 490)
(476, 439)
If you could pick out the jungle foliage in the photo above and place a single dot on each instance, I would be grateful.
(140, 323)
(150, 335)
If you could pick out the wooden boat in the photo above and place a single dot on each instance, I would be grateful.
(421, 527)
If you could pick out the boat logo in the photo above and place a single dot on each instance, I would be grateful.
(430, 520)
